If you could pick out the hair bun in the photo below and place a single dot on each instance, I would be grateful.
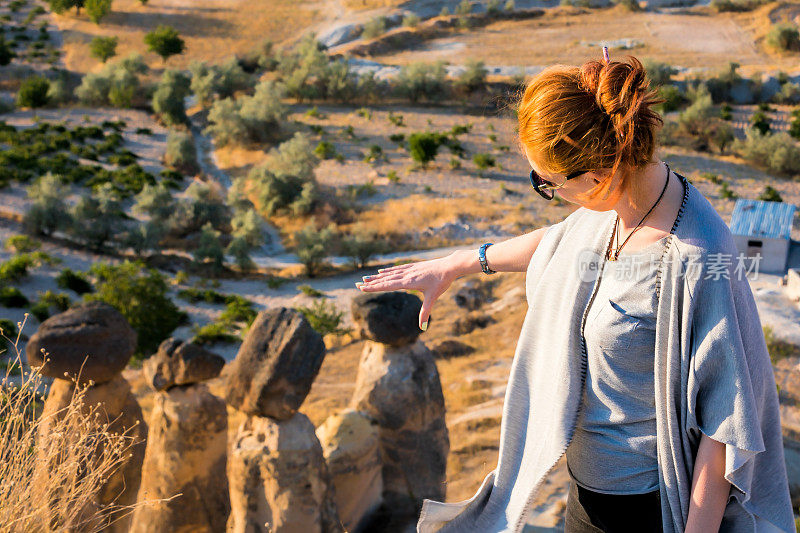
(619, 88)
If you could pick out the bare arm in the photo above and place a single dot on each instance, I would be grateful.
(434, 276)
(710, 489)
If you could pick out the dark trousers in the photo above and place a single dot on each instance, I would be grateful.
(595, 512)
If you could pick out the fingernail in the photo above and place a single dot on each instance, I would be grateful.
(359, 284)
(425, 326)
(365, 278)
(381, 270)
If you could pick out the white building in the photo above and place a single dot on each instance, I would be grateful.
(765, 228)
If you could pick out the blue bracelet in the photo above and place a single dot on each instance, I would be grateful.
(482, 258)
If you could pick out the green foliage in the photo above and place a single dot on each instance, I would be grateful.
(246, 224)
(96, 219)
(209, 249)
(784, 36)
(673, 98)
(374, 27)
(214, 332)
(760, 121)
(769, 194)
(181, 154)
(6, 53)
(240, 250)
(164, 41)
(361, 245)
(308, 290)
(22, 244)
(423, 146)
(254, 118)
(97, 9)
(794, 124)
(374, 154)
(411, 20)
(116, 84)
(726, 111)
(313, 245)
(168, 98)
(74, 281)
(140, 294)
(12, 297)
(48, 211)
(483, 161)
(325, 150)
(464, 8)
(777, 152)
(397, 120)
(419, 80)
(324, 318)
(218, 81)
(33, 92)
(60, 6)
(726, 192)
(473, 77)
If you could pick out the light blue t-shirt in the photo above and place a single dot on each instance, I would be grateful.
(613, 449)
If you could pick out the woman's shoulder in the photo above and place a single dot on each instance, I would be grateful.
(701, 230)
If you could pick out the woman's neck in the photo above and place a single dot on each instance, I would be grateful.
(652, 183)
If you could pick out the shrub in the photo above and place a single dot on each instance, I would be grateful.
(181, 154)
(760, 121)
(12, 297)
(464, 8)
(140, 294)
(33, 92)
(374, 154)
(374, 27)
(726, 112)
(312, 246)
(324, 318)
(325, 150)
(97, 9)
(74, 281)
(48, 210)
(784, 36)
(169, 96)
(116, 84)
(222, 81)
(673, 98)
(777, 152)
(254, 118)
(96, 219)
(473, 77)
(22, 244)
(421, 80)
(770, 195)
(6, 53)
(240, 250)
(361, 245)
(209, 249)
(411, 20)
(164, 41)
(794, 124)
(423, 146)
(214, 332)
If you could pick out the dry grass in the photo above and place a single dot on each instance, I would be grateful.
(51, 483)
(213, 29)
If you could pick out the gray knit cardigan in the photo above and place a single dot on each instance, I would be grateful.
(712, 375)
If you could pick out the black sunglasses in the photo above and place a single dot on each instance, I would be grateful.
(545, 188)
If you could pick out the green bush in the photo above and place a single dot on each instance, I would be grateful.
(96, 219)
(424, 146)
(209, 250)
(33, 92)
(218, 81)
(473, 78)
(103, 48)
(760, 121)
(12, 297)
(181, 154)
(483, 161)
(164, 41)
(411, 20)
(116, 84)
(168, 98)
(74, 281)
(214, 332)
(312, 246)
(769, 194)
(361, 245)
(97, 9)
(22, 244)
(6, 53)
(374, 27)
(794, 124)
(777, 152)
(325, 150)
(784, 36)
(254, 118)
(140, 294)
(419, 80)
(48, 210)
(324, 317)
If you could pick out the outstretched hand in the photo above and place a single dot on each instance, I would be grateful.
(431, 277)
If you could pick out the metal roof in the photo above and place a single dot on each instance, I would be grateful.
(756, 218)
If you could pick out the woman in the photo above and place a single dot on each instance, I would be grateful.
(656, 384)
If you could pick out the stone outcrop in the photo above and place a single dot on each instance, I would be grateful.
(276, 365)
(350, 445)
(472, 295)
(399, 387)
(116, 405)
(278, 477)
(388, 317)
(451, 348)
(185, 464)
(181, 363)
(90, 342)
(279, 480)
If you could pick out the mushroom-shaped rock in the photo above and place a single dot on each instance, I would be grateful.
(276, 364)
(279, 480)
(349, 442)
(186, 455)
(388, 317)
(89, 342)
(181, 363)
(401, 390)
(114, 402)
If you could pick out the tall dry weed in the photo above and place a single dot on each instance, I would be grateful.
(54, 466)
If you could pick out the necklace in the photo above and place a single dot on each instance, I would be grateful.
(613, 256)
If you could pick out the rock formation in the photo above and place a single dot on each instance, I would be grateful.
(398, 386)
(95, 342)
(350, 445)
(185, 461)
(278, 477)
